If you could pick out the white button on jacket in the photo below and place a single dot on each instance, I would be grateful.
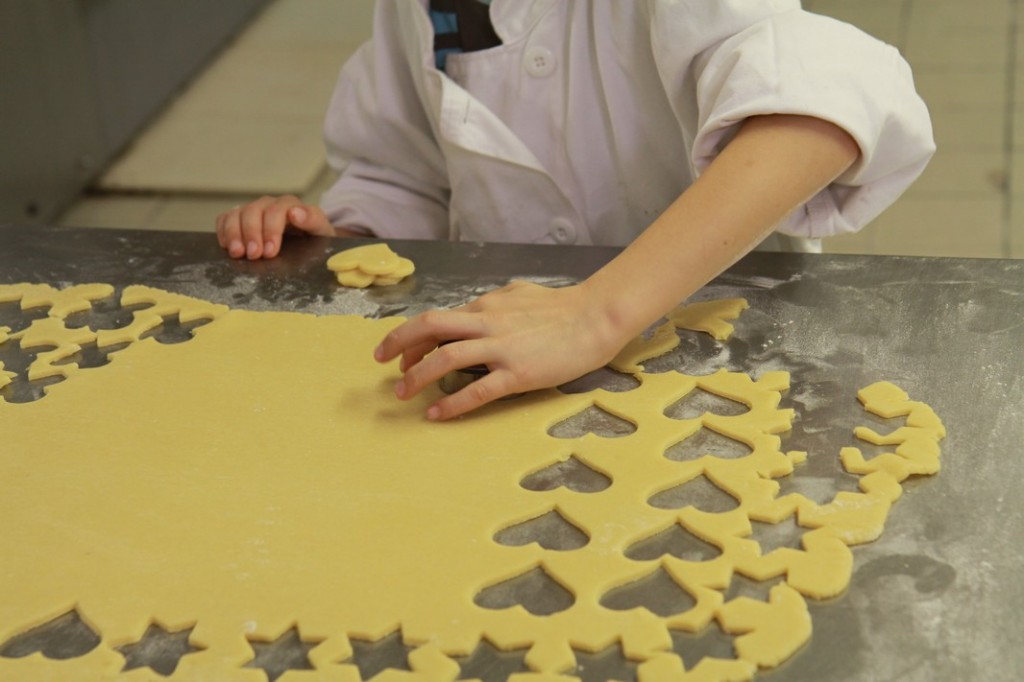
(631, 101)
(539, 61)
(563, 231)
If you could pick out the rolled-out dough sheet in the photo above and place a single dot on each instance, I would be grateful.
(261, 477)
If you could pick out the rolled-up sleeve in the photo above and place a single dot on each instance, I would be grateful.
(795, 62)
(392, 179)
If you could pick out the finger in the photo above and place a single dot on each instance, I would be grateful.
(432, 326)
(230, 233)
(275, 220)
(477, 394)
(448, 358)
(413, 355)
(219, 229)
(251, 220)
(320, 220)
(310, 219)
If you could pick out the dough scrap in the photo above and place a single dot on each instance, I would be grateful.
(61, 302)
(373, 264)
(707, 316)
(640, 349)
(160, 305)
(243, 489)
(50, 331)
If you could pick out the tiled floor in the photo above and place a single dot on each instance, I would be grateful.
(251, 125)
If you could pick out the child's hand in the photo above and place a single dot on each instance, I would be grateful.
(254, 231)
(528, 336)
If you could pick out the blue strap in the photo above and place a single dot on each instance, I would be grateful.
(460, 26)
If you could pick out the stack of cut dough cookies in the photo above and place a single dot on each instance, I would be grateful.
(374, 264)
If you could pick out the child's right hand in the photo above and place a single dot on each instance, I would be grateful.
(254, 231)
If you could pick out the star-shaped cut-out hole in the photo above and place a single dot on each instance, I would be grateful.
(700, 493)
(657, 592)
(159, 649)
(711, 642)
(373, 657)
(594, 420)
(818, 479)
(707, 442)
(603, 666)
(742, 586)
(66, 636)
(488, 663)
(287, 652)
(699, 402)
(571, 473)
(772, 536)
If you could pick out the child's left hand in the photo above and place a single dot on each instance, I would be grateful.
(528, 336)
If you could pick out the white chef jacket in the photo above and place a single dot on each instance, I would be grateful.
(594, 115)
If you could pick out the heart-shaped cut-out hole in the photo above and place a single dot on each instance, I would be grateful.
(66, 636)
(699, 493)
(173, 330)
(572, 473)
(105, 313)
(657, 592)
(674, 541)
(535, 591)
(550, 531)
(707, 442)
(595, 420)
(699, 402)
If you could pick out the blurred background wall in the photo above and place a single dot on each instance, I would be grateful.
(162, 113)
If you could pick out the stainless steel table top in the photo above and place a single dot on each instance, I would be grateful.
(938, 597)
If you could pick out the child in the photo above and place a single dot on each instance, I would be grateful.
(689, 130)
